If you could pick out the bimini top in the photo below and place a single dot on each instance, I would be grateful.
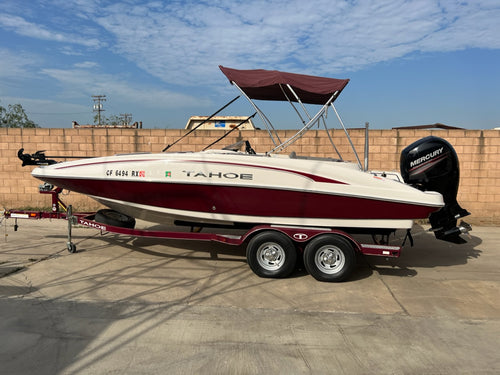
(263, 84)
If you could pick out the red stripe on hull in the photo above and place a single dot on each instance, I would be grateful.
(308, 175)
(244, 200)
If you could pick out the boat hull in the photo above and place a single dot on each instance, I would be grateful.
(234, 188)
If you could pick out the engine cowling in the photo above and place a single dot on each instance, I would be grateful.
(431, 164)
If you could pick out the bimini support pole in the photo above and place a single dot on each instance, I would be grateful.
(348, 137)
(263, 117)
(367, 149)
(309, 117)
(298, 100)
(306, 127)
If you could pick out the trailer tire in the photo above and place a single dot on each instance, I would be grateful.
(114, 218)
(271, 254)
(329, 257)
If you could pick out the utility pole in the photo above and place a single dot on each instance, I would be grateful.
(126, 118)
(98, 106)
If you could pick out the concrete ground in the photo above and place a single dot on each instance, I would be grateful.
(150, 306)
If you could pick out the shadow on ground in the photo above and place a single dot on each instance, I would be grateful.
(427, 252)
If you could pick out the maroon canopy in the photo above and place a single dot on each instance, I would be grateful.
(263, 84)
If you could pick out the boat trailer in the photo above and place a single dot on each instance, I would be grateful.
(329, 254)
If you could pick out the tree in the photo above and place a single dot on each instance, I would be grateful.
(111, 120)
(15, 117)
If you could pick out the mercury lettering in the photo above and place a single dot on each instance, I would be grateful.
(430, 155)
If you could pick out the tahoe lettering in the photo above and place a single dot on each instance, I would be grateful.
(219, 175)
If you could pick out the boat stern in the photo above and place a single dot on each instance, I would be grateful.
(431, 164)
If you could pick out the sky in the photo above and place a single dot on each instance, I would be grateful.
(409, 62)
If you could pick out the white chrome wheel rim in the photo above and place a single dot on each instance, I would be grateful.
(270, 256)
(329, 259)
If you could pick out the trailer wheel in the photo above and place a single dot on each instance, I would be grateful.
(329, 257)
(114, 218)
(271, 254)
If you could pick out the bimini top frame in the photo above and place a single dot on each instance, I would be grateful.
(303, 89)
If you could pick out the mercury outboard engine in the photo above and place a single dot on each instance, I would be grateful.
(431, 164)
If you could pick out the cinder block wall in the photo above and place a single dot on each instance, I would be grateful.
(478, 152)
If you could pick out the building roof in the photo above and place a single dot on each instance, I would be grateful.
(431, 126)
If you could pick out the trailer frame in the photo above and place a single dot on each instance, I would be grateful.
(328, 252)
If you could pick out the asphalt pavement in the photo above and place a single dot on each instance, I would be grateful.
(153, 306)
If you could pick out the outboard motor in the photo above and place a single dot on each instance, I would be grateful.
(431, 164)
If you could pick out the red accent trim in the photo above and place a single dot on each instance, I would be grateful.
(104, 162)
(308, 175)
(249, 201)
(387, 251)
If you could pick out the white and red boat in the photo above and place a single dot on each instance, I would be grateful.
(229, 187)
(242, 188)
(289, 205)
